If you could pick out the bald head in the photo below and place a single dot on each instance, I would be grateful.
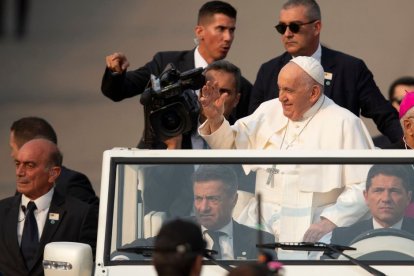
(38, 164)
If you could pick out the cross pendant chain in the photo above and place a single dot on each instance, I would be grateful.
(270, 179)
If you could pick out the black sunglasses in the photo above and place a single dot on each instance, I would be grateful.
(293, 27)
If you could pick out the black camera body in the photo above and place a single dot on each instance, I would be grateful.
(171, 105)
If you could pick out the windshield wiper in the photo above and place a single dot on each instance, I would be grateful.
(320, 246)
(147, 251)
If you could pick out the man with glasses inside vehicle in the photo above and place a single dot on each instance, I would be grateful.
(348, 81)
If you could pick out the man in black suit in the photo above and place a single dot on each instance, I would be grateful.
(348, 81)
(215, 195)
(39, 214)
(69, 182)
(214, 32)
(388, 193)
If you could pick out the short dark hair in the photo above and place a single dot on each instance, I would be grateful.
(222, 173)
(228, 67)
(313, 9)
(177, 246)
(215, 7)
(400, 81)
(404, 172)
(29, 128)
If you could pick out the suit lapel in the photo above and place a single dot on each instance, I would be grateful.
(241, 249)
(53, 220)
(10, 238)
(236, 241)
(329, 68)
(285, 59)
(187, 61)
(408, 225)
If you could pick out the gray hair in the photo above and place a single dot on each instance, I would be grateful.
(223, 173)
(313, 10)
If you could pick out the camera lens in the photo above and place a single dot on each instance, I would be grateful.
(170, 120)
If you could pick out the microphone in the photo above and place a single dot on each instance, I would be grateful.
(24, 209)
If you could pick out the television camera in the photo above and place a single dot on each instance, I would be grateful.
(171, 105)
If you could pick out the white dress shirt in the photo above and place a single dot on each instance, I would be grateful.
(226, 241)
(398, 225)
(42, 209)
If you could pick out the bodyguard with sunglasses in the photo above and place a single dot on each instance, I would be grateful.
(348, 81)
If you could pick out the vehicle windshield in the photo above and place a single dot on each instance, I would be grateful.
(264, 206)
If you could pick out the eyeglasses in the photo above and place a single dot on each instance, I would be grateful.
(293, 27)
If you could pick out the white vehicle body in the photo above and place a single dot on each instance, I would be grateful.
(117, 226)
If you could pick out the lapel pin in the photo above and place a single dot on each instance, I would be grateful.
(328, 78)
(53, 217)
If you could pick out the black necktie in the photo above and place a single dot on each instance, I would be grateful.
(215, 236)
(30, 237)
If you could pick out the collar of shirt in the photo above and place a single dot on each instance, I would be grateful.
(226, 229)
(199, 61)
(376, 225)
(315, 108)
(226, 240)
(42, 202)
(318, 54)
(42, 209)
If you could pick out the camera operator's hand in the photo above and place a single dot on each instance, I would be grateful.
(117, 62)
(174, 142)
(212, 103)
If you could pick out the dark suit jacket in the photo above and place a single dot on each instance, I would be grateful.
(245, 240)
(132, 83)
(76, 184)
(397, 145)
(352, 87)
(244, 243)
(77, 223)
(344, 235)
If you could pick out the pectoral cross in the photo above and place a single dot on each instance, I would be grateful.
(270, 179)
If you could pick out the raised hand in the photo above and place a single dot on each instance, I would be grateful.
(212, 103)
(117, 62)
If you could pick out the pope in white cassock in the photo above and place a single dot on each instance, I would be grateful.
(300, 202)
